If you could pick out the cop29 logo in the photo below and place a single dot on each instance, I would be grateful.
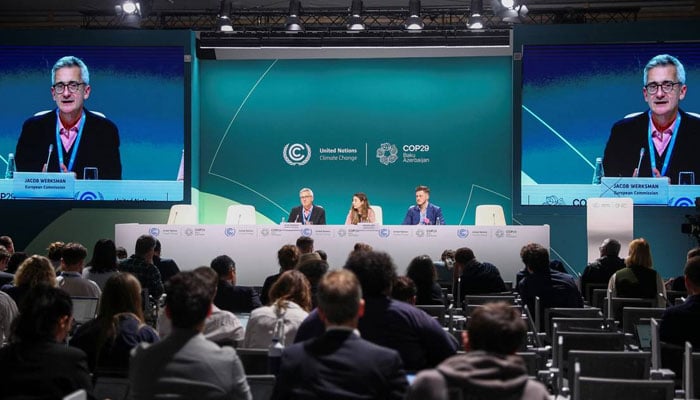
(387, 153)
(296, 153)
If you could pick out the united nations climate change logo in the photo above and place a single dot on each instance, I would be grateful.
(230, 232)
(462, 233)
(154, 231)
(387, 153)
(189, 231)
(89, 196)
(296, 153)
(682, 202)
(384, 233)
(306, 232)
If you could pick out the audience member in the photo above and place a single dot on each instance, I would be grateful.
(166, 266)
(310, 370)
(121, 253)
(7, 242)
(291, 301)
(600, 270)
(404, 289)
(360, 246)
(103, 264)
(477, 277)
(360, 210)
(490, 369)
(71, 278)
(419, 339)
(681, 323)
(5, 277)
(422, 272)
(141, 265)
(322, 254)
(221, 327)
(287, 258)
(555, 289)
(53, 252)
(305, 244)
(313, 268)
(185, 364)
(8, 312)
(37, 364)
(34, 271)
(16, 259)
(678, 283)
(638, 279)
(118, 328)
(229, 296)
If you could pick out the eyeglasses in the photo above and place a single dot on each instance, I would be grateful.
(666, 86)
(305, 197)
(72, 86)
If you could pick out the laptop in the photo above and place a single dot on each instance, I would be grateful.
(84, 309)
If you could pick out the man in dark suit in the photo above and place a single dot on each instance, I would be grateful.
(229, 297)
(423, 212)
(339, 363)
(681, 323)
(665, 137)
(477, 277)
(307, 213)
(72, 137)
(166, 266)
(600, 270)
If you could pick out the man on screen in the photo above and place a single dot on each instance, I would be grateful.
(70, 138)
(663, 140)
(307, 213)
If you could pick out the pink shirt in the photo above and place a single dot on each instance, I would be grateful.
(661, 139)
(68, 136)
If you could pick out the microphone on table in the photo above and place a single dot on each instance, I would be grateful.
(49, 156)
(239, 219)
(641, 156)
(296, 219)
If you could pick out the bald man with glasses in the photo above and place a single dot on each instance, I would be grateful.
(70, 138)
(663, 140)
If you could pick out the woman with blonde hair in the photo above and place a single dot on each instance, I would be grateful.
(360, 211)
(119, 326)
(638, 279)
(33, 271)
(290, 298)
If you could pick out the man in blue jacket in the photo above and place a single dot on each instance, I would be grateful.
(423, 212)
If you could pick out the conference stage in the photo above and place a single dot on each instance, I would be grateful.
(254, 247)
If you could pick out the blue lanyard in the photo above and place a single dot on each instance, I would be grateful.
(669, 149)
(59, 144)
(306, 218)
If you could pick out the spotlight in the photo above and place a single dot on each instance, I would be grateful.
(414, 23)
(475, 20)
(511, 11)
(224, 20)
(293, 24)
(128, 7)
(355, 22)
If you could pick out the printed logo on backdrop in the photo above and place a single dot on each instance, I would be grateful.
(384, 233)
(420, 232)
(681, 202)
(499, 233)
(342, 232)
(265, 231)
(89, 195)
(189, 231)
(462, 233)
(154, 231)
(296, 153)
(306, 232)
(230, 232)
(387, 153)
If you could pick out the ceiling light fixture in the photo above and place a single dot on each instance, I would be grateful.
(355, 22)
(414, 23)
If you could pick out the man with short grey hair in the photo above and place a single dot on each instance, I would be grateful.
(600, 270)
(307, 213)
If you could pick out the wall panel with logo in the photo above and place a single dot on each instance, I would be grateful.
(379, 126)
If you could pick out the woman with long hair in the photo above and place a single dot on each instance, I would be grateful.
(119, 325)
(290, 299)
(638, 279)
(422, 271)
(360, 211)
(35, 270)
(103, 263)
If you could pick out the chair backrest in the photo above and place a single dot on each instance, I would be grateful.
(183, 214)
(596, 324)
(617, 304)
(435, 311)
(533, 362)
(564, 312)
(479, 299)
(611, 364)
(588, 291)
(489, 214)
(80, 394)
(598, 297)
(623, 389)
(378, 214)
(631, 316)
(110, 387)
(240, 214)
(614, 341)
(254, 360)
(261, 386)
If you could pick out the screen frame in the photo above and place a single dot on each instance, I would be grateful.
(117, 38)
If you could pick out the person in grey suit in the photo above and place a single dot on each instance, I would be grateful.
(185, 365)
(339, 363)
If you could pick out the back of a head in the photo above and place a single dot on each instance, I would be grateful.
(639, 254)
(305, 244)
(121, 253)
(375, 271)
(288, 256)
(422, 271)
(292, 286)
(360, 246)
(535, 257)
(34, 271)
(210, 278)
(121, 294)
(39, 314)
(187, 300)
(404, 289)
(6, 242)
(104, 256)
(692, 271)
(73, 253)
(496, 328)
(313, 269)
(694, 252)
(339, 296)
(16, 259)
(144, 244)
(53, 252)
(222, 265)
(463, 255)
(610, 247)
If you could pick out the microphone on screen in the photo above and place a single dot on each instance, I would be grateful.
(641, 156)
(49, 156)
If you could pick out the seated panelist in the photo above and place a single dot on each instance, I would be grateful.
(423, 212)
(307, 213)
(360, 211)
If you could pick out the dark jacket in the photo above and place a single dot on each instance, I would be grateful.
(481, 278)
(236, 299)
(636, 281)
